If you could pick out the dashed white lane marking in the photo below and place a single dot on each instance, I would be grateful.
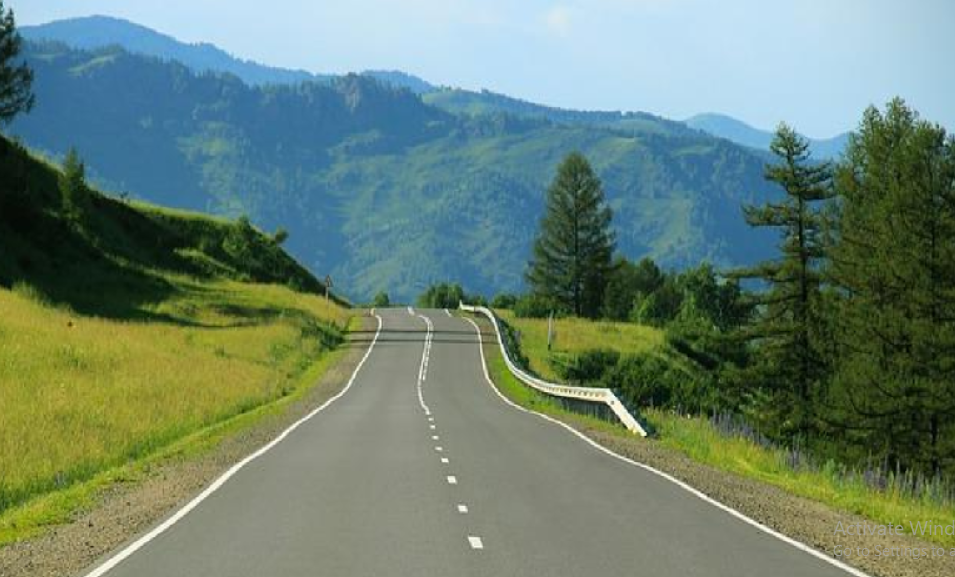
(439, 449)
(435, 437)
(432, 427)
(447, 312)
(475, 542)
(696, 492)
(445, 460)
(138, 544)
(462, 508)
(431, 419)
(452, 480)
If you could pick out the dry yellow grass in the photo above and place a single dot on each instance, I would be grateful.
(574, 335)
(81, 394)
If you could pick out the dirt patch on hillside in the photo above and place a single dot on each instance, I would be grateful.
(126, 510)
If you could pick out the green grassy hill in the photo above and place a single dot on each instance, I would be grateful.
(380, 189)
(131, 327)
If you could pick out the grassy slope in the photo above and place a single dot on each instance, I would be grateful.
(701, 441)
(125, 335)
(573, 335)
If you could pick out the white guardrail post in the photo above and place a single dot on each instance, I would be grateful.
(605, 396)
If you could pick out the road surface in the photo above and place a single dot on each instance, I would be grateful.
(451, 481)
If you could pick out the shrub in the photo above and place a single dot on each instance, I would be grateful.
(535, 306)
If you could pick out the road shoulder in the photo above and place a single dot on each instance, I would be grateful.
(804, 520)
(125, 509)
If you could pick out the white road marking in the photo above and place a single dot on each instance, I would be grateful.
(696, 492)
(431, 419)
(425, 359)
(439, 449)
(475, 542)
(410, 311)
(434, 437)
(138, 544)
(447, 312)
(432, 427)
(445, 460)
(462, 508)
(452, 480)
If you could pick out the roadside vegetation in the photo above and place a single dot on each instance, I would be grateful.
(827, 371)
(126, 329)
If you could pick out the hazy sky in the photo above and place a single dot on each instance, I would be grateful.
(813, 63)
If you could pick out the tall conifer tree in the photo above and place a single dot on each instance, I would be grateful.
(789, 368)
(894, 267)
(572, 254)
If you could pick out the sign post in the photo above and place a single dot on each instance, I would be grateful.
(328, 286)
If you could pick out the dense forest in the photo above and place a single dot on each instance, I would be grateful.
(842, 345)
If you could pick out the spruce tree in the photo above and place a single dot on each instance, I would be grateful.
(73, 188)
(788, 369)
(894, 266)
(15, 80)
(571, 264)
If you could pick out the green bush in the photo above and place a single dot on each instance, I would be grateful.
(535, 306)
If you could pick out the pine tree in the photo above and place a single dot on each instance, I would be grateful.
(894, 266)
(72, 184)
(15, 80)
(788, 367)
(571, 264)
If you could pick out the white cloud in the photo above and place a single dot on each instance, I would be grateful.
(558, 20)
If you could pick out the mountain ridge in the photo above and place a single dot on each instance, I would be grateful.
(378, 188)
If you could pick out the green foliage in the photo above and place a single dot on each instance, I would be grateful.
(789, 364)
(893, 305)
(16, 79)
(73, 188)
(442, 296)
(571, 262)
(504, 301)
(381, 300)
(627, 282)
(280, 236)
(537, 306)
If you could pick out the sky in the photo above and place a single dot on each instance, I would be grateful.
(815, 64)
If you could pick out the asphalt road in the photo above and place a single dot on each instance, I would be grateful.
(450, 482)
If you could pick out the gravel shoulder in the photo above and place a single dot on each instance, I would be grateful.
(804, 520)
(124, 510)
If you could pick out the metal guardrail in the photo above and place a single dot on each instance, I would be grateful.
(605, 396)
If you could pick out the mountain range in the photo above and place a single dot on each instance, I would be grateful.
(385, 185)
(94, 32)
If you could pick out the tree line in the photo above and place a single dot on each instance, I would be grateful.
(844, 343)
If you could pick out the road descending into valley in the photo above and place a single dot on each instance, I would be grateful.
(421, 469)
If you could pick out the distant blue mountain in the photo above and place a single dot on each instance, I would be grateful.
(93, 32)
(739, 132)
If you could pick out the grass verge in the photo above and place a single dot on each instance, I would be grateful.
(88, 401)
(573, 335)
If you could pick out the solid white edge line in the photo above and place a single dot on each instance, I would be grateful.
(138, 544)
(726, 508)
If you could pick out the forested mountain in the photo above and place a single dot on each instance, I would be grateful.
(741, 133)
(378, 188)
